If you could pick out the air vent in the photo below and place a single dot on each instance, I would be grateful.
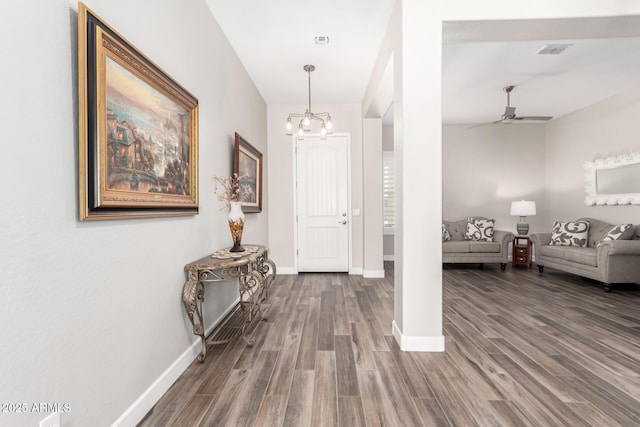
(553, 49)
(321, 40)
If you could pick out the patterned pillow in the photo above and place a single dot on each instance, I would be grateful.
(572, 233)
(445, 233)
(480, 230)
(619, 232)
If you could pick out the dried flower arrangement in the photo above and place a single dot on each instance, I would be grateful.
(228, 189)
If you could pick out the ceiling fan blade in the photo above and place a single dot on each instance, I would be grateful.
(479, 125)
(540, 118)
(510, 113)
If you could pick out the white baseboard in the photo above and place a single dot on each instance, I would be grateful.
(143, 404)
(389, 258)
(358, 271)
(373, 274)
(407, 343)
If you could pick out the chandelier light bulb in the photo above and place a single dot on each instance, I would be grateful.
(323, 131)
(307, 119)
(329, 124)
(289, 126)
(300, 131)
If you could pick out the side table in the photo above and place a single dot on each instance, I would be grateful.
(252, 268)
(521, 254)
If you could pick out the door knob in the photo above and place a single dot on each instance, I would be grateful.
(342, 222)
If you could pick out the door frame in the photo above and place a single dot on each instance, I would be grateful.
(294, 149)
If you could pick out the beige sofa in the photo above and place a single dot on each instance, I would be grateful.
(460, 250)
(612, 261)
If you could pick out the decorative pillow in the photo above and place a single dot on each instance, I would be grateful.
(480, 230)
(619, 232)
(445, 233)
(572, 233)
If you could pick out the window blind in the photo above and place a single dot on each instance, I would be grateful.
(388, 190)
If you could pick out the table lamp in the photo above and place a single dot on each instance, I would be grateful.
(523, 209)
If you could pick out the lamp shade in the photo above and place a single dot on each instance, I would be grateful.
(523, 208)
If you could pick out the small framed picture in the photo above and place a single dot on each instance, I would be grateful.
(247, 163)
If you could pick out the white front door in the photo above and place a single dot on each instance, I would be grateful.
(322, 169)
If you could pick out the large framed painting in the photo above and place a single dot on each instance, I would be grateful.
(138, 131)
(247, 163)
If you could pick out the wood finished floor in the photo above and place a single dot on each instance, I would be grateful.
(522, 349)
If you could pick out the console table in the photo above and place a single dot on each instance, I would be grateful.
(252, 268)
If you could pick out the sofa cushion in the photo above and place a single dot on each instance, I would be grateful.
(484, 247)
(480, 230)
(456, 229)
(455, 246)
(552, 251)
(445, 233)
(571, 233)
(597, 230)
(580, 255)
(620, 232)
(586, 256)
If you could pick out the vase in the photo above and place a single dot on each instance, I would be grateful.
(236, 225)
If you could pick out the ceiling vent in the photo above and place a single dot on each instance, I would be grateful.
(553, 49)
(322, 40)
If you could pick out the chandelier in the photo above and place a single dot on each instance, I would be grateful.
(305, 119)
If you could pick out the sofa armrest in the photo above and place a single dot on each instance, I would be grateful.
(503, 237)
(539, 240)
(619, 247)
(619, 261)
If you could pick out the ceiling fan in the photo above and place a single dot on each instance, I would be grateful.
(510, 112)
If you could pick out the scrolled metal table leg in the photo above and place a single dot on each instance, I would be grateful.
(268, 270)
(192, 297)
(251, 287)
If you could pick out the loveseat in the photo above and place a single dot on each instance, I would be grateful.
(605, 252)
(462, 243)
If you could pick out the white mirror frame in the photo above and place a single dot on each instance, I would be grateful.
(590, 187)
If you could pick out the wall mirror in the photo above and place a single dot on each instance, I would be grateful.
(613, 181)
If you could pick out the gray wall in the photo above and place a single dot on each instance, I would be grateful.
(91, 312)
(606, 129)
(486, 168)
(346, 118)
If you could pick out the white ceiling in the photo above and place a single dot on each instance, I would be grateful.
(481, 58)
(275, 39)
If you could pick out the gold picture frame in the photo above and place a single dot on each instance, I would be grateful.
(138, 131)
(247, 163)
